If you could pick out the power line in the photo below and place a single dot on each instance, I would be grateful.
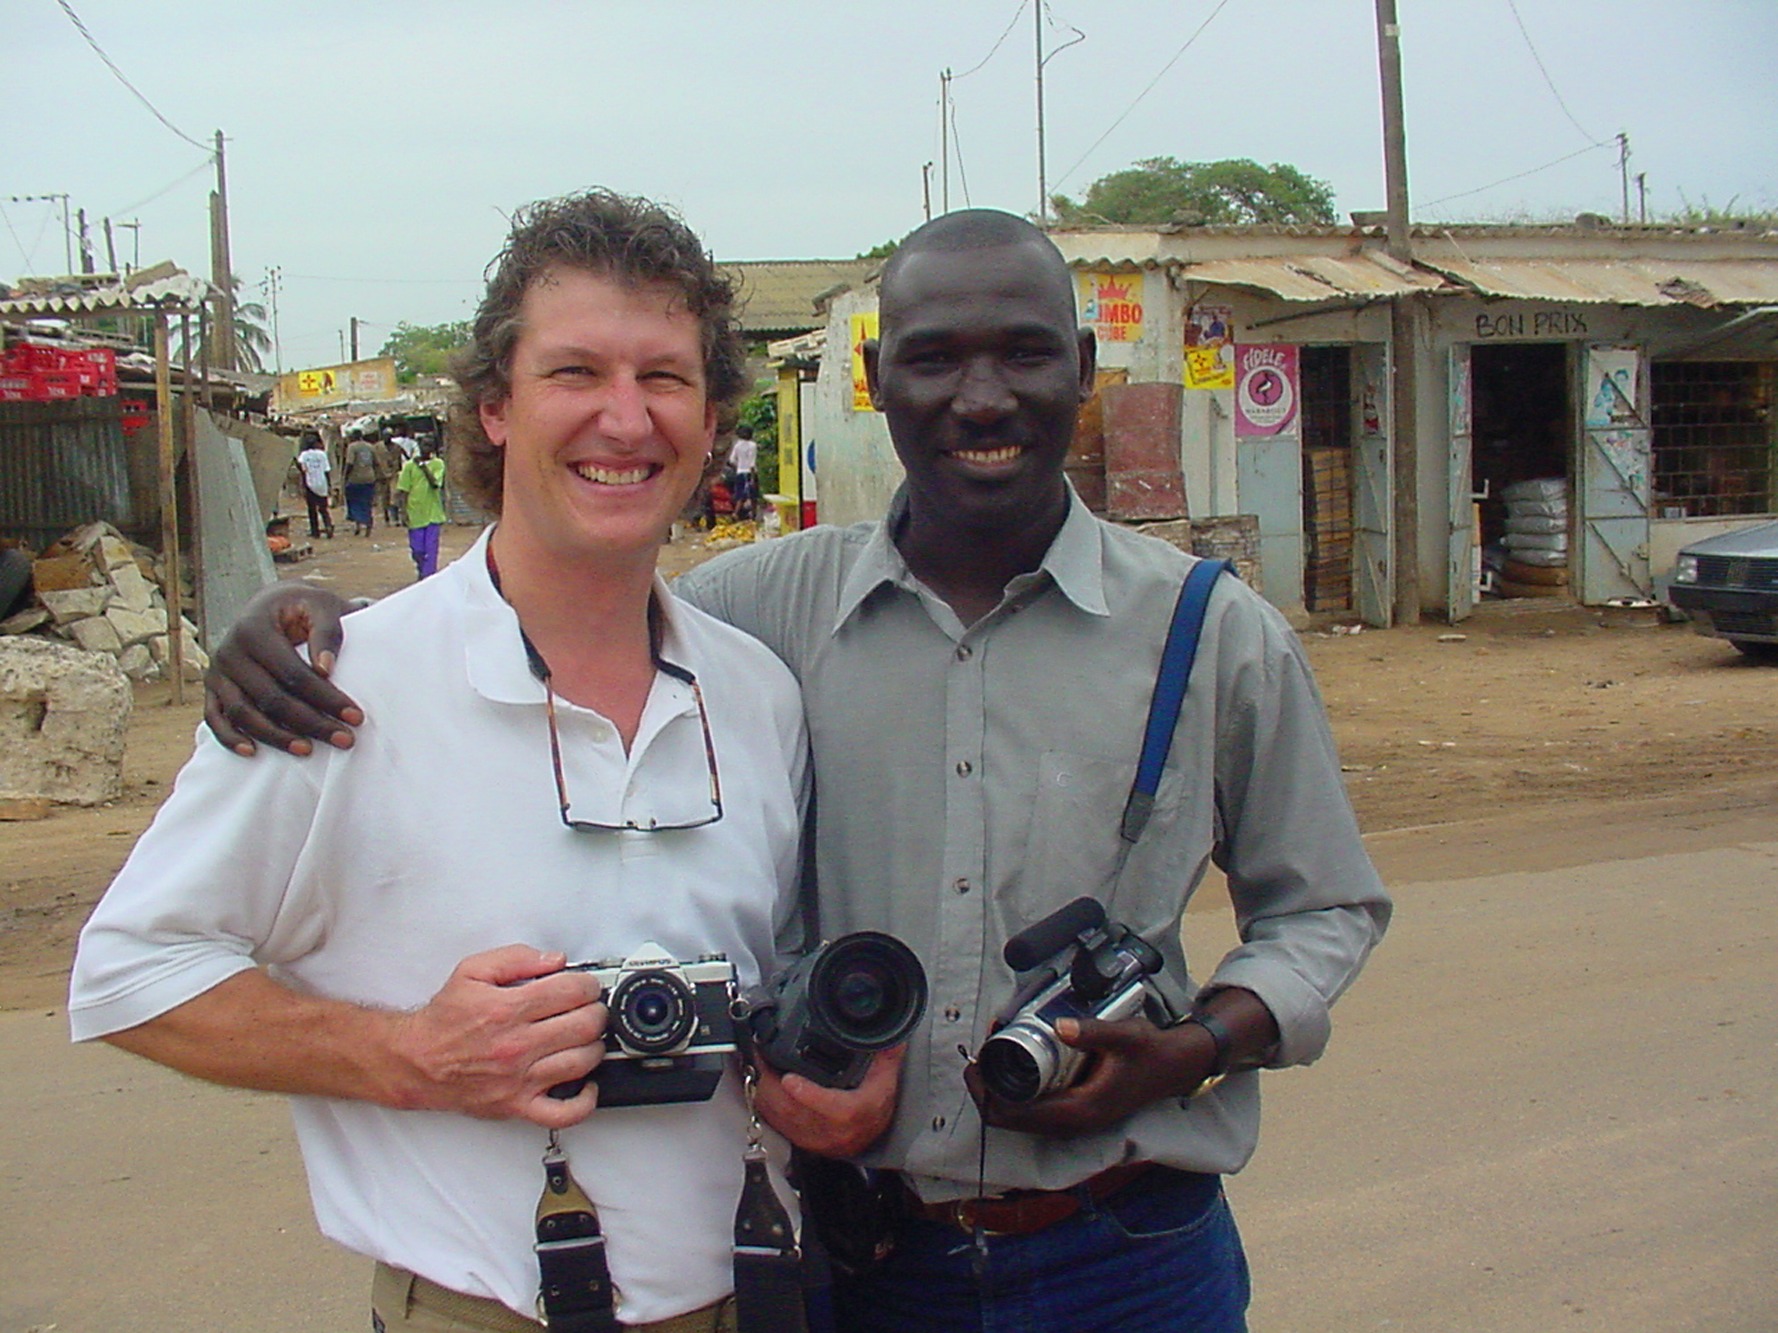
(1506, 180)
(166, 189)
(997, 43)
(1548, 82)
(110, 64)
(429, 282)
(29, 263)
(1063, 179)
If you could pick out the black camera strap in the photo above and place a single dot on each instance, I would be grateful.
(768, 1261)
(576, 1293)
(1177, 656)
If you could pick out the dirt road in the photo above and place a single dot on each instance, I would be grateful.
(1534, 783)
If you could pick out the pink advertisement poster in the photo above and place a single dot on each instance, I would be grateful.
(1267, 390)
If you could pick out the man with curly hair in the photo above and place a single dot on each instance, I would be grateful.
(564, 763)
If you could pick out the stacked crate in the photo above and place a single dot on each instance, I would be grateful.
(1327, 528)
(37, 373)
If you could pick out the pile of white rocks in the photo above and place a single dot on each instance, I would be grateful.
(96, 590)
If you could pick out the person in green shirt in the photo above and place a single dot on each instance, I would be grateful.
(422, 482)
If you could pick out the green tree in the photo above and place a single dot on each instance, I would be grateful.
(1161, 190)
(425, 349)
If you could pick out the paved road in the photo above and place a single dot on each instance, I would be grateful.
(1551, 1103)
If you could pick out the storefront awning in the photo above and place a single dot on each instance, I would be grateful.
(1705, 283)
(1315, 277)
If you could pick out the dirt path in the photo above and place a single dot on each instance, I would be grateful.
(1517, 710)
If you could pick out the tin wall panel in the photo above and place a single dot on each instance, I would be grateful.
(63, 464)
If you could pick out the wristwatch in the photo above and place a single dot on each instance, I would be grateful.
(1222, 1039)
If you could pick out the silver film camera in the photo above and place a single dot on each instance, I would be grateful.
(1080, 966)
(670, 1033)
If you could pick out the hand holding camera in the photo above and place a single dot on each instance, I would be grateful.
(1088, 1039)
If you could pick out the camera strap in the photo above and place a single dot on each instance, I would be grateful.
(768, 1261)
(1177, 656)
(576, 1293)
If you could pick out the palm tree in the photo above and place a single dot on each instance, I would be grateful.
(252, 341)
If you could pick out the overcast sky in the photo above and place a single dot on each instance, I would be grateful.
(372, 148)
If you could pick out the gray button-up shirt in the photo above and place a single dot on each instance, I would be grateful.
(971, 779)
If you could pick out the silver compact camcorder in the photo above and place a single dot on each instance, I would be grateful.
(670, 1033)
(1080, 966)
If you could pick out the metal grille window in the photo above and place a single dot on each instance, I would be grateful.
(1713, 437)
(1327, 478)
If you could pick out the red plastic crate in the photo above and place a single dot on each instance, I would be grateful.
(56, 384)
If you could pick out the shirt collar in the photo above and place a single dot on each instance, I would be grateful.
(495, 653)
(1075, 561)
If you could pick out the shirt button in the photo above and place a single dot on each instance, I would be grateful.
(964, 652)
(962, 886)
(964, 768)
(952, 1014)
(938, 1122)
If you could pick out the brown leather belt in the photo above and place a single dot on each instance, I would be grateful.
(1021, 1212)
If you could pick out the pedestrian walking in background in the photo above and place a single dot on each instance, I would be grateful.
(743, 459)
(315, 469)
(422, 483)
(362, 469)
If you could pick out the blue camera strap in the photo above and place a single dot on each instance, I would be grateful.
(1177, 656)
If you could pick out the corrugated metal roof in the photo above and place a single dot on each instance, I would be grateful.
(1314, 277)
(778, 295)
(1644, 282)
(176, 289)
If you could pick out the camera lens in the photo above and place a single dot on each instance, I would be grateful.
(869, 989)
(651, 1013)
(1012, 1066)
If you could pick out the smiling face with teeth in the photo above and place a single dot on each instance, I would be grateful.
(607, 424)
(980, 372)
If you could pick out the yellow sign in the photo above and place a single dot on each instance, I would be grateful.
(1209, 347)
(1112, 304)
(864, 329)
(370, 381)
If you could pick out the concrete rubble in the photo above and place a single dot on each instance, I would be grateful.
(63, 714)
(97, 591)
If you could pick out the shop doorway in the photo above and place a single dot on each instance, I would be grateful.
(1328, 475)
(1522, 421)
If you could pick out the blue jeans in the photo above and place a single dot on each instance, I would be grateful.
(1160, 1254)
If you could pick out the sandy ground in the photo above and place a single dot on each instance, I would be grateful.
(1540, 785)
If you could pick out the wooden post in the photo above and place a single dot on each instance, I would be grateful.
(188, 432)
(163, 415)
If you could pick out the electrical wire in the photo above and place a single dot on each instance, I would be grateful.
(110, 64)
(429, 282)
(29, 262)
(1062, 180)
(1505, 180)
(957, 145)
(165, 189)
(1549, 83)
(997, 43)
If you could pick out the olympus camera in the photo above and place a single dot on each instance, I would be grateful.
(670, 1032)
(829, 1012)
(1080, 966)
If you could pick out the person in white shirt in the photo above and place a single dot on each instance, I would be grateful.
(315, 467)
(565, 764)
(743, 459)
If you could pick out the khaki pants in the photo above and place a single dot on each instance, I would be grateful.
(403, 1300)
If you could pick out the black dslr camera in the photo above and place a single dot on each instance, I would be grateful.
(1081, 966)
(825, 1015)
(670, 1033)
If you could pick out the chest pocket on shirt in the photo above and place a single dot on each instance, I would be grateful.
(1074, 844)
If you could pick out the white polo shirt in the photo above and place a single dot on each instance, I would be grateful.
(368, 874)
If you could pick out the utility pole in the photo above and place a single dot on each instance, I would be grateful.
(221, 267)
(274, 280)
(86, 245)
(926, 189)
(134, 226)
(1043, 197)
(110, 248)
(944, 139)
(1623, 171)
(1642, 197)
(354, 337)
(1405, 317)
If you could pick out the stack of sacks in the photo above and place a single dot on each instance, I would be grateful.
(1536, 538)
